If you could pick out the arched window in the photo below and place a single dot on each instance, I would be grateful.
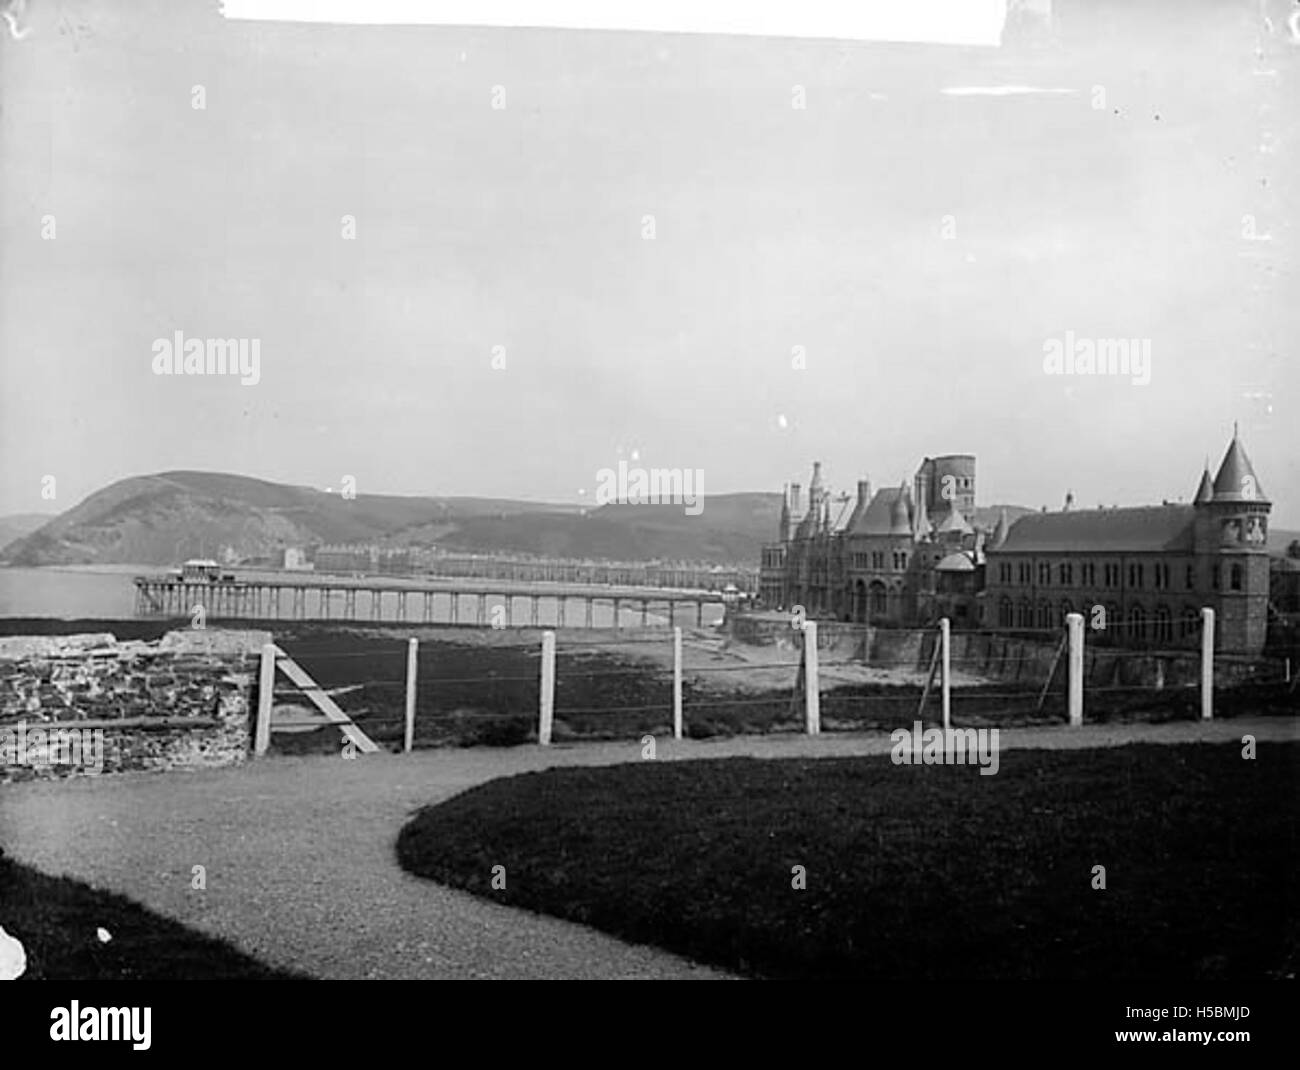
(1164, 624)
(1004, 613)
(879, 599)
(1066, 610)
(1044, 615)
(1191, 622)
(1137, 624)
(1024, 614)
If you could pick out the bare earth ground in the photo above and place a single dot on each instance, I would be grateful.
(751, 669)
(301, 869)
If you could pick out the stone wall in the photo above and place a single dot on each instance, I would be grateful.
(83, 704)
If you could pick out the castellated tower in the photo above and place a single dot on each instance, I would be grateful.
(1231, 540)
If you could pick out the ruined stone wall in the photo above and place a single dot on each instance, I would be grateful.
(71, 703)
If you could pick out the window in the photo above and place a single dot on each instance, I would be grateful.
(1004, 613)
(1214, 575)
(1044, 574)
(1066, 610)
(1164, 623)
(1063, 573)
(1136, 579)
(1191, 623)
(1235, 578)
(1189, 580)
(1044, 615)
(1137, 623)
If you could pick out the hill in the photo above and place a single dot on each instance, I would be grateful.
(19, 524)
(163, 519)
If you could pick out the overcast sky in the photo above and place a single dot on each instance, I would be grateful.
(775, 227)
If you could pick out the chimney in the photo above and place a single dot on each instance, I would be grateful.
(864, 492)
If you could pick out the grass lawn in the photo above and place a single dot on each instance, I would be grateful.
(57, 919)
(913, 872)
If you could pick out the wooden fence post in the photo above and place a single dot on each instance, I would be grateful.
(546, 713)
(412, 656)
(1074, 668)
(1207, 664)
(811, 689)
(945, 678)
(265, 696)
(677, 683)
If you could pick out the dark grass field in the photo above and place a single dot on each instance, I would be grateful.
(57, 920)
(913, 873)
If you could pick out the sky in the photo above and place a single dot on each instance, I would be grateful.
(734, 254)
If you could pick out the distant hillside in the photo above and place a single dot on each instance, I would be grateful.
(19, 524)
(163, 519)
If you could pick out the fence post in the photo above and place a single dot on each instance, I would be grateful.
(547, 711)
(1074, 668)
(811, 690)
(412, 655)
(265, 695)
(1207, 663)
(677, 683)
(945, 678)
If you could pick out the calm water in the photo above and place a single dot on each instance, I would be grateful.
(69, 593)
(106, 591)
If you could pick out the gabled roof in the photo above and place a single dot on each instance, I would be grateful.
(957, 562)
(1144, 528)
(878, 517)
(953, 520)
(1236, 481)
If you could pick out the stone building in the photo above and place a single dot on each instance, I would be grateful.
(1141, 575)
(909, 555)
(904, 555)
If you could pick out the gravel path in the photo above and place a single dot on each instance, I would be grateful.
(300, 865)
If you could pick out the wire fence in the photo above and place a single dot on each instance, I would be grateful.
(868, 679)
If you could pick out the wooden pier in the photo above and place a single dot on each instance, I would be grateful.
(483, 603)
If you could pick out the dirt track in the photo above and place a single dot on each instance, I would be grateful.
(300, 863)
